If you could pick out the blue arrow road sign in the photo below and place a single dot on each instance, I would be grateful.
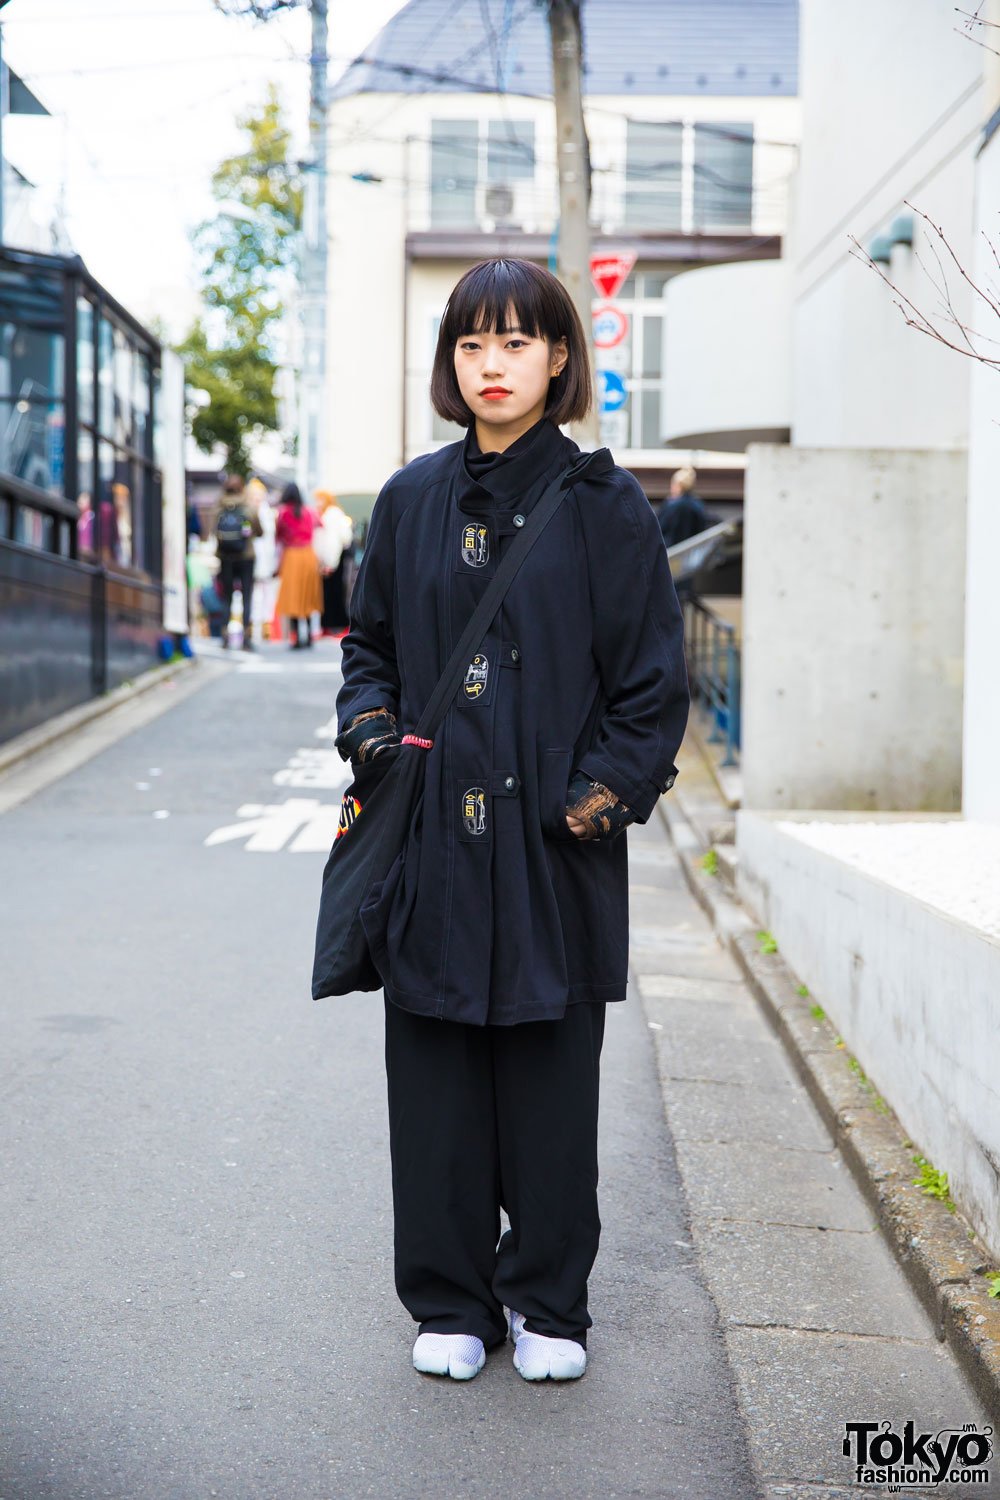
(612, 390)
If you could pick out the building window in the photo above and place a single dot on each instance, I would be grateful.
(653, 174)
(90, 489)
(474, 166)
(454, 173)
(723, 176)
(32, 414)
(117, 527)
(510, 150)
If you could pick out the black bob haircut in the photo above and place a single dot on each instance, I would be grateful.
(482, 303)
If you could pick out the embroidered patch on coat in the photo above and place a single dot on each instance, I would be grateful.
(476, 676)
(474, 810)
(350, 808)
(476, 544)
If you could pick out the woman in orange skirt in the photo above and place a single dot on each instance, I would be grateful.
(301, 593)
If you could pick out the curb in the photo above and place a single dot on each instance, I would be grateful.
(941, 1256)
(33, 741)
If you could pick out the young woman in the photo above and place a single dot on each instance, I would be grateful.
(301, 593)
(508, 932)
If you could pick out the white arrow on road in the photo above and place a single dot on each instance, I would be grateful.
(302, 824)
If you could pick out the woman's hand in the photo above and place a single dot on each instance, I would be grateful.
(593, 811)
(367, 736)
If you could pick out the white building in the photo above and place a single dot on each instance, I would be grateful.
(868, 841)
(442, 152)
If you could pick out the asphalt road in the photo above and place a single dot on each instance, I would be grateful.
(195, 1213)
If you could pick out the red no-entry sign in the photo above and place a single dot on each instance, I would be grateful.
(609, 272)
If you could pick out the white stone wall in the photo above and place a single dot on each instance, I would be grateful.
(982, 659)
(854, 565)
(892, 105)
(914, 993)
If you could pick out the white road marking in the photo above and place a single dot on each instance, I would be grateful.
(303, 825)
(318, 770)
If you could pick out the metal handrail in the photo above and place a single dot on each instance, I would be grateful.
(690, 556)
(714, 673)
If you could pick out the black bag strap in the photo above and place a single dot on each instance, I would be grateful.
(484, 612)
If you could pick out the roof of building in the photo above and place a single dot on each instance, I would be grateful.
(638, 47)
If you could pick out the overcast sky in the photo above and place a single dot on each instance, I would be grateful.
(144, 96)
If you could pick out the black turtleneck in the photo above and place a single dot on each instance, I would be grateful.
(506, 476)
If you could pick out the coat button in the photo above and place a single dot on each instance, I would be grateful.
(510, 783)
(515, 655)
(670, 781)
(518, 520)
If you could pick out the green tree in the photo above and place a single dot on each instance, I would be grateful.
(248, 255)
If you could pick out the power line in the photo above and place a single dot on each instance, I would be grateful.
(513, 20)
(476, 86)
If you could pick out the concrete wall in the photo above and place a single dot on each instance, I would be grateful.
(914, 993)
(981, 735)
(728, 355)
(891, 100)
(853, 577)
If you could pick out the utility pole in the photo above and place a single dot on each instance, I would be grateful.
(573, 156)
(314, 230)
(314, 258)
(4, 105)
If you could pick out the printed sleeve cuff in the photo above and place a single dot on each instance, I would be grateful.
(640, 797)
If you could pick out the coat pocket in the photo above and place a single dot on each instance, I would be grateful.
(556, 768)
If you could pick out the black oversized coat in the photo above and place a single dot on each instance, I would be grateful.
(496, 912)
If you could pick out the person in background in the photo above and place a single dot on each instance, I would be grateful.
(333, 539)
(85, 527)
(235, 523)
(683, 515)
(204, 599)
(265, 557)
(214, 609)
(193, 521)
(123, 517)
(301, 593)
(107, 523)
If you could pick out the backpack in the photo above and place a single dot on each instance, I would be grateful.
(232, 530)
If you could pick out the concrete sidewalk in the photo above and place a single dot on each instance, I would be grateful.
(820, 1324)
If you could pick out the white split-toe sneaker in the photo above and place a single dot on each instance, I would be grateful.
(538, 1357)
(458, 1355)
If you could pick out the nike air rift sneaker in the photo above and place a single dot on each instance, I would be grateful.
(538, 1357)
(458, 1355)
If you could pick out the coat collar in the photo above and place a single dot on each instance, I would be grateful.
(535, 458)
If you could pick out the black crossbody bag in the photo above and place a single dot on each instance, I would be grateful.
(382, 801)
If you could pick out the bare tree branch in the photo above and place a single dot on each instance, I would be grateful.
(959, 32)
(993, 306)
(913, 317)
(975, 17)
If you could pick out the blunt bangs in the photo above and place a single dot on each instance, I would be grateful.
(484, 301)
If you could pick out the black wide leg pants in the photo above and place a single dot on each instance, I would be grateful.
(484, 1117)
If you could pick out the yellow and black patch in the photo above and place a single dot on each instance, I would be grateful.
(476, 544)
(476, 677)
(474, 811)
